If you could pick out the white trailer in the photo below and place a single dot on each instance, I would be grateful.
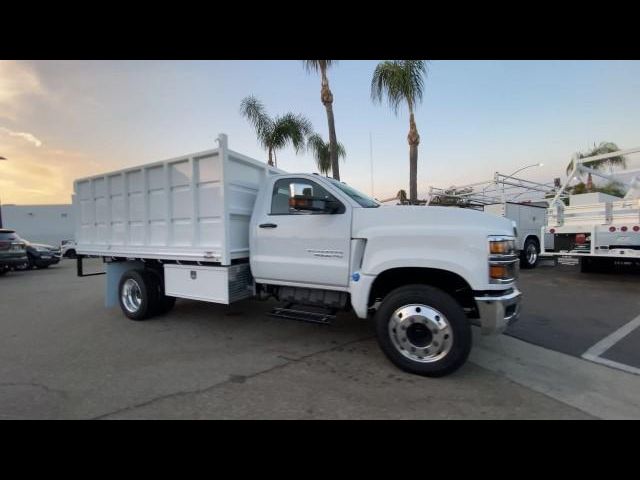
(218, 226)
(599, 230)
(521, 201)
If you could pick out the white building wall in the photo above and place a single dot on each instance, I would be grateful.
(48, 224)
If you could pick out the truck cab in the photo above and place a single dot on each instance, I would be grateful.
(423, 273)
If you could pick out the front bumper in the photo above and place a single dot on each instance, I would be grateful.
(47, 259)
(498, 312)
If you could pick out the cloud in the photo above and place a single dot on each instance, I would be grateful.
(18, 81)
(29, 137)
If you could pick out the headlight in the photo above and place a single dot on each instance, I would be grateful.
(503, 260)
(501, 246)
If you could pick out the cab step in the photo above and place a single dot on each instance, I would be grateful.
(288, 313)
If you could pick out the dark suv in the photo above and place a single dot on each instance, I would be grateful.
(41, 256)
(13, 251)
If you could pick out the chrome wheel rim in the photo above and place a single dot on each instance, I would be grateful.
(131, 295)
(532, 254)
(420, 333)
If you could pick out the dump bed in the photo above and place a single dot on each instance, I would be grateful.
(195, 207)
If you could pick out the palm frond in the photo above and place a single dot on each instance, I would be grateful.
(318, 65)
(600, 149)
(399, 81)
(253, 110)
(321, 152)
(291, 128)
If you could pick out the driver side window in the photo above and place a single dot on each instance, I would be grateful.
(298, 196)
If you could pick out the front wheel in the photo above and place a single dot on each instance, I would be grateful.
(423, 330)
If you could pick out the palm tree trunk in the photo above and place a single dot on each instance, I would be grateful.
(414, 140)
(327, 100)
(270, 157)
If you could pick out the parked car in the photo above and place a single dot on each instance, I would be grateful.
(68, 248)
(12, 251)
(42, 256)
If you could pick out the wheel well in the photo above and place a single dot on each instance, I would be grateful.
(534, 238)
(449, 282)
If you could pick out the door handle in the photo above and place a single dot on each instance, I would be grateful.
(267, 225)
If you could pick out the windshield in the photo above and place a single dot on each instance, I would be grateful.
(362, 199)
(8, 236)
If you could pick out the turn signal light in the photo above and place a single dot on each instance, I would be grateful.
(498, 272)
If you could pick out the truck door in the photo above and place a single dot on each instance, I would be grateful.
(306, 245)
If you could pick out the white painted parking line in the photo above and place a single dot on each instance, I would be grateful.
(612, 364)
(594, 353)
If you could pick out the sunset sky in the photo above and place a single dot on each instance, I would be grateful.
(60, 120)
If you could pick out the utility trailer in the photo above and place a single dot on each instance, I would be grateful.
(220, 227)
(521, 201)
(596, 229)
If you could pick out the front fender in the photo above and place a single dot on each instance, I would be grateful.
(458, 250)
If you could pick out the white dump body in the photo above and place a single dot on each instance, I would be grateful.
(195, 207)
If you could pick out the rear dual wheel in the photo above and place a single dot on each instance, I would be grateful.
(141, 295)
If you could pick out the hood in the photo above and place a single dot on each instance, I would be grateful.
(440, 217)
(42, 245)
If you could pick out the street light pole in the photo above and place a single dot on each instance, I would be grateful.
(528, 166)
(1, 158)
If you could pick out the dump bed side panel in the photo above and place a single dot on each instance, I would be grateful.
(195, 207)
(171, 208)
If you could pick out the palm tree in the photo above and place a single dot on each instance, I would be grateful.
(600, 149)
(322, 153)
(275, 133)
(402, 81)
(327, 100)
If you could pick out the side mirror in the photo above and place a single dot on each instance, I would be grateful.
(311, 204)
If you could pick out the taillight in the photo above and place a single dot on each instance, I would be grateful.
(624, 229)
(612, 229)
(552, 230)
(636, 228)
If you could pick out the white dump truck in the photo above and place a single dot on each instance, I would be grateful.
(220, 227)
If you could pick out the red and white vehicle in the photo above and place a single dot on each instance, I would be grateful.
(598, 229)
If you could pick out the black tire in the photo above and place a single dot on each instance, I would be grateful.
(31, 262)
(3, 271)
(164, 303)
(439, 301)
(529, 258)
(146, 284)
(44, 265)
(70, 254)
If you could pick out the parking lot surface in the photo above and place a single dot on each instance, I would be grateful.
(569, 311)
(63, 355)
